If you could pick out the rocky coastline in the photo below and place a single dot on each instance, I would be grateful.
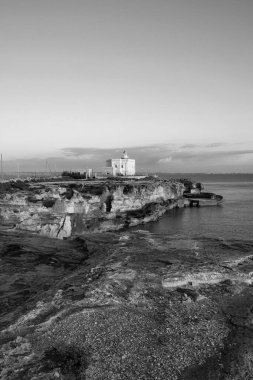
(109, 302)
(125, 305)
(63, 209)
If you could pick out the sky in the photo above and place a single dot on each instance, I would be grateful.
(171, 81)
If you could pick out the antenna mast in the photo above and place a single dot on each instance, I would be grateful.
(1, 167)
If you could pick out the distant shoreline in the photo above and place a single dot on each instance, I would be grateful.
(211, 177)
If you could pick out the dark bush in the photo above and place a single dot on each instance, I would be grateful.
(48, 202)
(69, 193)
(74, 175)
(5, 187)
(128, 189)
(20, 185)
(71, 360)
(32, 199)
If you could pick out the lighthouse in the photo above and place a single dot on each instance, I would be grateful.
(121, 166)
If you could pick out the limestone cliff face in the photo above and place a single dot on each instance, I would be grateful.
(61, 210)
(131, 197)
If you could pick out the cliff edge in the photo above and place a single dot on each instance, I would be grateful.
(65, 209)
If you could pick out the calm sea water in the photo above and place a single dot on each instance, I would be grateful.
(232, 220)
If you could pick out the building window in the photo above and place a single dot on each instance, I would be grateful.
(122, 166)
(116, 165)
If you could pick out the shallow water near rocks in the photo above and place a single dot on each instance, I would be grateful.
(232, 220)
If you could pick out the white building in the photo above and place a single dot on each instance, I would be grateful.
(120, 166)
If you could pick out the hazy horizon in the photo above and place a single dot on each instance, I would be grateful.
(170, 81)
(214, 158)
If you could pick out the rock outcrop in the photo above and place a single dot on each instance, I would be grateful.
(63, 209)
(126, 305)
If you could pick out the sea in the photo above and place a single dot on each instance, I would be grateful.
(232, 220)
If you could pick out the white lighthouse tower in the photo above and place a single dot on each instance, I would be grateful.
(124, 155)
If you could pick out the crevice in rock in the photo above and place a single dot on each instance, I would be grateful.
(108, 203)
(61, 227)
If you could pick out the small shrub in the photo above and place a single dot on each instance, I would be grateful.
(127, 189)
(48, 202)
(71, 360)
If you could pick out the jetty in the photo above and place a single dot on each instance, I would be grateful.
(194, 196)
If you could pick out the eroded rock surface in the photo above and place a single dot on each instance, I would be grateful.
(62, 210)
(125, 305)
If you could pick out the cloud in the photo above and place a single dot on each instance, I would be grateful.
(152, 158)
(78, 152)
(204, 155)
(201, 146)
(165, 160)
(88, 153)
(189, 146)
(215, 145)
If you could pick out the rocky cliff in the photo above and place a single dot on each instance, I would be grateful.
(64, 209)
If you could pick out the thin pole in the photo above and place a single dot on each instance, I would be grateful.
(1, 167)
